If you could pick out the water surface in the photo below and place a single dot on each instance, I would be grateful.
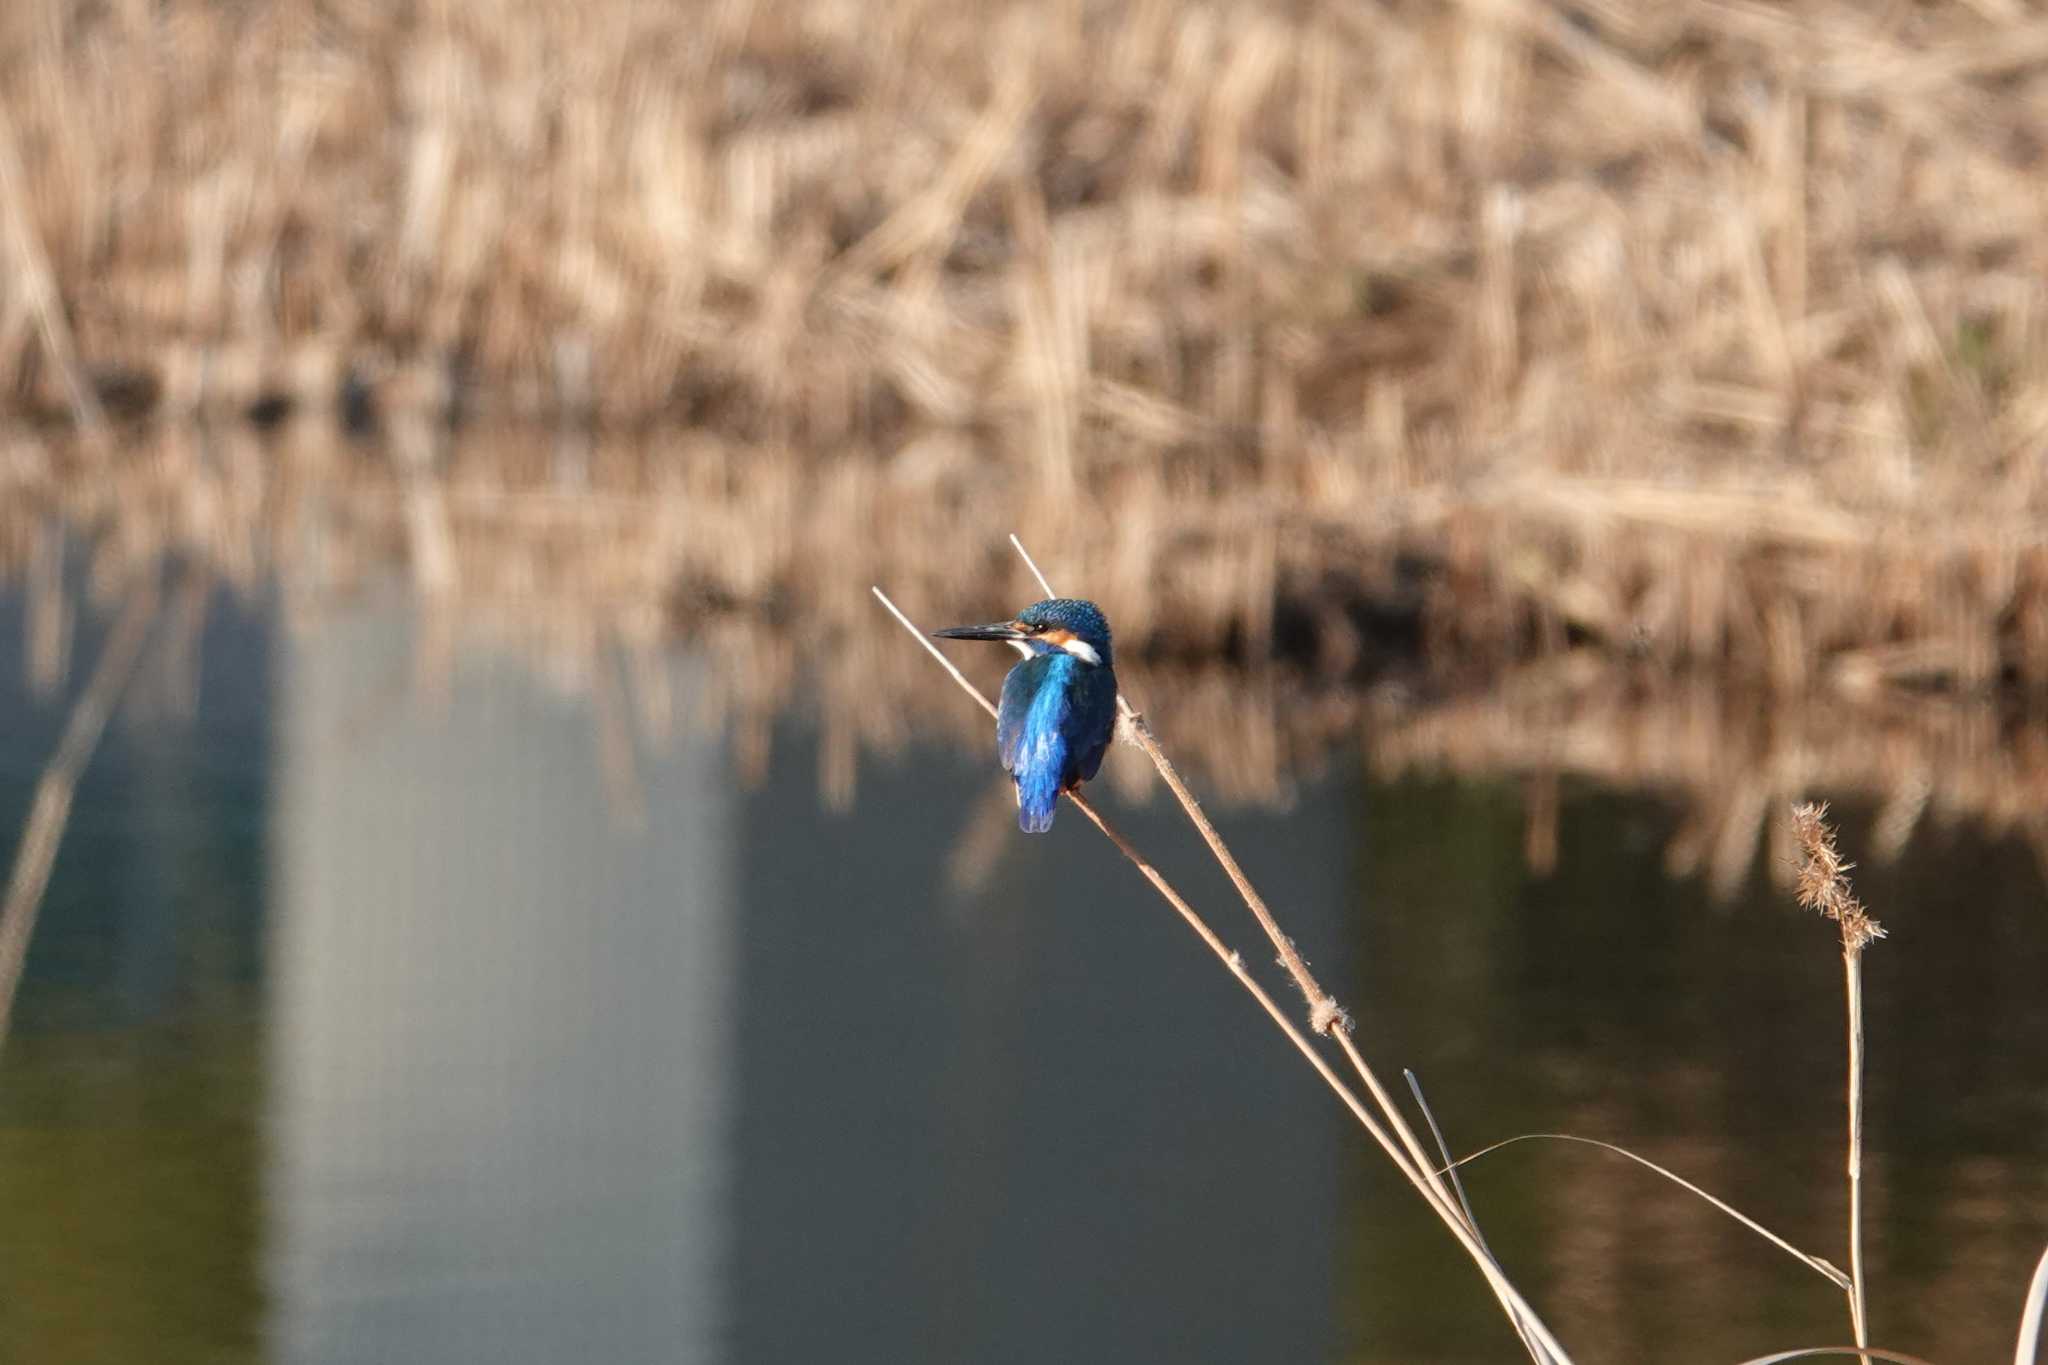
(378, 1013)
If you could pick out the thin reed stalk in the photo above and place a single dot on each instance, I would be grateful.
(1543, 1346)
(2028, 1351)
(1449, 1170)
(1815, 1352)
(1326, 1016)
(1819, 1266)
(32, 275)
(1824, 886)
(1859, 1309)
(50, 812)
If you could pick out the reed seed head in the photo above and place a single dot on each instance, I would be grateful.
(1823, 883)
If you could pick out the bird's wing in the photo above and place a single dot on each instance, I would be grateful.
(1031, 730)
(1020, 737)
(1093, 723)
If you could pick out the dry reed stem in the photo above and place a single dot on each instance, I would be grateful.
(1819, 1266)
(2032, 1316)
(1449, 1170)
(31, 275)
(1543, 1345)
(1865, 1352)
(1824, 886)
(1859, 1310)
(1325, 1015)
(51, 810)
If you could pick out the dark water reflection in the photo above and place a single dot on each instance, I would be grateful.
(380, 1018)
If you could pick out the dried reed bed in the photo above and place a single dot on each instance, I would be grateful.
(1370, 248)
(1708, 331)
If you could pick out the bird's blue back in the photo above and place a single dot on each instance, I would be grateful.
(1054, 725)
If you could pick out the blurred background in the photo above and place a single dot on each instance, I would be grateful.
(491, 885)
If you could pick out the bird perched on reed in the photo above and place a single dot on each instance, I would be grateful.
(1059, 704)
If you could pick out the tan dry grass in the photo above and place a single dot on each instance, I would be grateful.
(1823, 885)
(1387, 245)
(1709, 331)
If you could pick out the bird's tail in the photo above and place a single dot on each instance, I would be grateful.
(1035, 807)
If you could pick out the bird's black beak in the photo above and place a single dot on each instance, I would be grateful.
(1001, 630)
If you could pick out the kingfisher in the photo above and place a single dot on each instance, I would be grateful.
(1059, 704)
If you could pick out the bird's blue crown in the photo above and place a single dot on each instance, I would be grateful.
(1081, 619)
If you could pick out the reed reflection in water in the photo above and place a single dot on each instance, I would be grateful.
(490, 1024)
(1568, 630)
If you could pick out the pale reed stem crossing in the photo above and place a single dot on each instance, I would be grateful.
(1325, 1015)
(1422, 1175)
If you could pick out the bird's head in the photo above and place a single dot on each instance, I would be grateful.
(1065, 624)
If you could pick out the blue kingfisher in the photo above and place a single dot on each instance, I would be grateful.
(1059, 704)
